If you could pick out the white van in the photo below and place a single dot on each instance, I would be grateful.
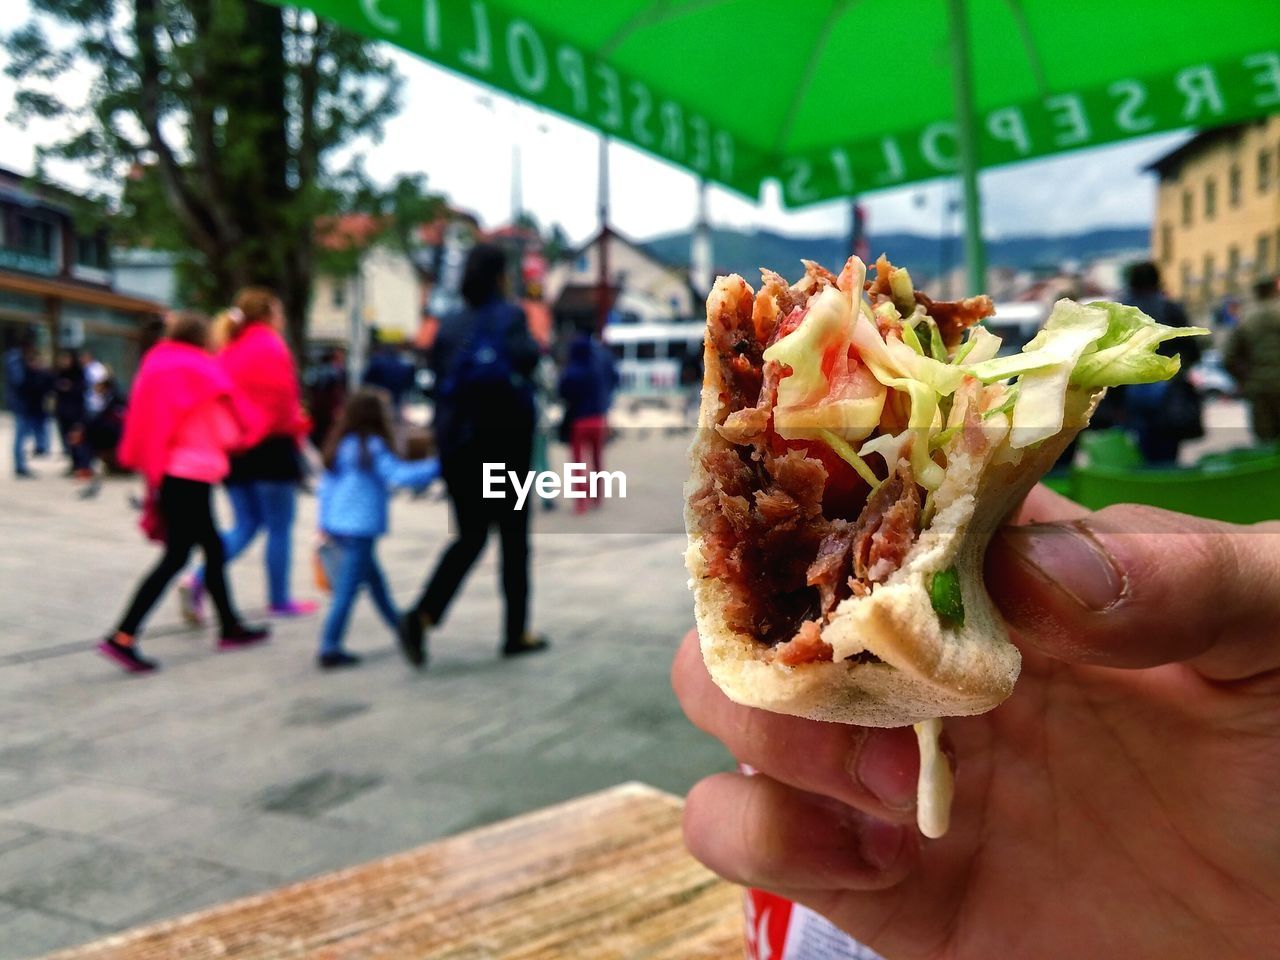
(651, 356)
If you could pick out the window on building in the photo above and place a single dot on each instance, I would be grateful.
(1166, 243)
(1186, 279)
(339, 293)
(646, 350)
(1233, 186)
(1210, 198)
(91, 251)
(1186, 208)
(1233, 267)
(1264, 171)
(35, 236)
(1263, 262)
(1207, 279)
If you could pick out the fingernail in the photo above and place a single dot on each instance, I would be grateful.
(1069, 558)
(880, 843)
(884, 766)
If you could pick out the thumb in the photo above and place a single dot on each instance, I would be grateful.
(1134, 586)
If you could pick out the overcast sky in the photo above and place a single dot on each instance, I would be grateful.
(462, 137)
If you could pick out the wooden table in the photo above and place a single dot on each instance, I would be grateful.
(603, 876)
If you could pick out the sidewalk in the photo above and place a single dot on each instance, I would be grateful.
(124, 800)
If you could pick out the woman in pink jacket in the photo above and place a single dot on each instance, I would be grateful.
(264, 478)
(180, 427)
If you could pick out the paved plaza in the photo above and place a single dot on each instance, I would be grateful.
(129, 799)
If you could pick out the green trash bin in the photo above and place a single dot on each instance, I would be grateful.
(1244, 492)
(1112, 447)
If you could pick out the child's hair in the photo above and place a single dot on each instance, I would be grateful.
(189, 327)
(366, 414)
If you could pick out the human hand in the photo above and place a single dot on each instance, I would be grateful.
(1122, 803)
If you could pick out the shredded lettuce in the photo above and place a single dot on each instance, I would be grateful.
(981, 345)
(1126, 352)
(850, 456)
(1087, 346)
(802, 350)
(902, 290)
(911, 340)
(805, 407)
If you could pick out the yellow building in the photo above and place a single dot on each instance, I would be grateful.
(1217, 222)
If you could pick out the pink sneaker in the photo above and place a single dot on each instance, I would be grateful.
(294, 608)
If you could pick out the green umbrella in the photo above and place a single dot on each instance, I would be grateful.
(841, 97)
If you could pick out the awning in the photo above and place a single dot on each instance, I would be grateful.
(74, 292)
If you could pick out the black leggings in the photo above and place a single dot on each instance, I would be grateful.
(474, 515)
(186, 508)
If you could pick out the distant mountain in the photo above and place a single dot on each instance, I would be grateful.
(740, 252)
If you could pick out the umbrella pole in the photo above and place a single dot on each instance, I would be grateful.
(967, 127)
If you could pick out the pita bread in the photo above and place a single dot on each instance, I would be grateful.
(927, 670)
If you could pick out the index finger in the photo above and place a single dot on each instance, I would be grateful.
(874, 770)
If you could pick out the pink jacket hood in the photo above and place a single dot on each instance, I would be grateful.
(268, 400)
(174, 379)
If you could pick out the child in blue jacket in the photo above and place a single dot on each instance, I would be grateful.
(360, 472)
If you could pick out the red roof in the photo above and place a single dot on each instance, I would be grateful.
(348, 230)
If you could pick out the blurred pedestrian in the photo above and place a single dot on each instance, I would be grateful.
(1166, 413)
(482, 358)
(1252, 356)
(361, 469)
(388, 371)
(586, 387)
(264, 478)
(181, 425)
(1228, 313)
(104, 427)
(18, 363)
(95, 371)
(37, 388)
(69, 404)
(326, 394)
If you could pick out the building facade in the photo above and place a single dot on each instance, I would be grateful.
(642, 288)
(1217, 221)
(56, 280)
(385, 292)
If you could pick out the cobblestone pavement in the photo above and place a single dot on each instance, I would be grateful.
(124, 800)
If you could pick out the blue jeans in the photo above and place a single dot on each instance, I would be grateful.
(25, 428)
(270, 504)
(357, 567)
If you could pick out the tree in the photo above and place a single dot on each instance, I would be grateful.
(234, 109)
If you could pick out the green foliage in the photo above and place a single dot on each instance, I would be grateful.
(224, 120)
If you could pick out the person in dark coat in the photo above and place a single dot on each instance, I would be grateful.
(68, 403)
(1163, 414)
(586, 387)
(483, 359)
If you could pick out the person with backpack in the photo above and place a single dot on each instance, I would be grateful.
(1166, 413)
(483, 360)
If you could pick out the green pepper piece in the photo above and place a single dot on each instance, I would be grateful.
(944, 593)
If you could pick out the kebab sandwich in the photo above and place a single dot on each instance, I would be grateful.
(858, 445)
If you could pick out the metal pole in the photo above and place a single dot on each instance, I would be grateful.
(359, 336)
(967, 127)
(602, 275)
(700, 255)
